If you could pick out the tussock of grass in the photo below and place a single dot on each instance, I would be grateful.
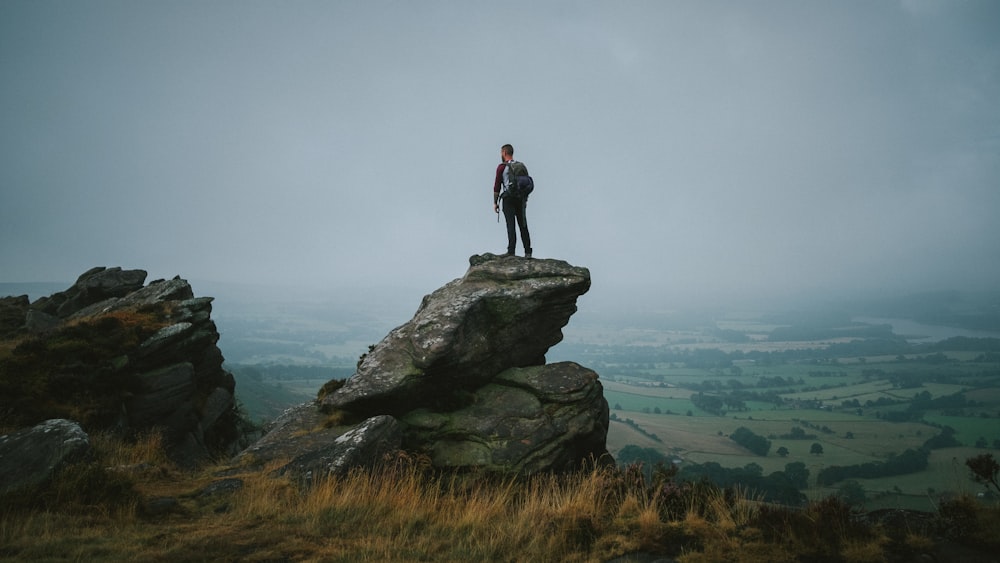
(404, 512)
(146, 448)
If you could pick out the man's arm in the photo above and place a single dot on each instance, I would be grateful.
(497, 183)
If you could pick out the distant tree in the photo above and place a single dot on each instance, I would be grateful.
(618, 406)
(797, 474)
(981, 443)
(635, 454)
(852, 493)
(782, 451)
(946, 439)
(754, 442)
(849, 435)
(816, 448)
(910, 461)
(985, 470)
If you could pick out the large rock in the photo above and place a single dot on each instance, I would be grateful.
(464, 383)
(366, 445)
(116, 355)
(505, 312)
(32, 456)
(526, 420)
(316, 449)
(93, 286)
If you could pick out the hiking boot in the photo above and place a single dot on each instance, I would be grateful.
(527, 255)
(509, 253)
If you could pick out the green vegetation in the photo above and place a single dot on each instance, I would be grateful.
(985, 469)
(855, 407)
(262, 401)
(910, 461)
(746, 438)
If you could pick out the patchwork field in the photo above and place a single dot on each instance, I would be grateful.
(683, 385)
(848, 434)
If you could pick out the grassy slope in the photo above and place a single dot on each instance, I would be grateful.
(401, 513)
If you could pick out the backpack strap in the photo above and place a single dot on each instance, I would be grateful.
(511, 179)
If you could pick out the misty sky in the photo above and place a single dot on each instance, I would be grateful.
(706, 150)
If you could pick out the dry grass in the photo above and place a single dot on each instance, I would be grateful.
(403, 512)
(7, 346)
(147, 448)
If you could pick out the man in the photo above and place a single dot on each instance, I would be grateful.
(513, 207)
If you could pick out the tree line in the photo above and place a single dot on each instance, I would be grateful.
(782, 487)
(910, 461)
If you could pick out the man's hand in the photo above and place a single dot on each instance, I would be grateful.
(496, 207)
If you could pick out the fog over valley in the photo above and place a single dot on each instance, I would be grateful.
(688, 153)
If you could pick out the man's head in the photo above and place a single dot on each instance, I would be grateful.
(507, 151)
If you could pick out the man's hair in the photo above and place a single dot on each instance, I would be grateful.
(508, 149)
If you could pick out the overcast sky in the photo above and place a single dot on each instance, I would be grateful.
(704, 150)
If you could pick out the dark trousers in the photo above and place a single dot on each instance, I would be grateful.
(513, 209)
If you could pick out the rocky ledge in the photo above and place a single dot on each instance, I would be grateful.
(464, 383)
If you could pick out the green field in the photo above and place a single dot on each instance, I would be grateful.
(969, 429)
(845, 404)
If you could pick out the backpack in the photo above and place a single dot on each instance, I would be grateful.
(521, 183)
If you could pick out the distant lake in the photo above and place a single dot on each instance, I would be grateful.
(918, 332)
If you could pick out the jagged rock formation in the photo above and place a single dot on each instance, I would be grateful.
(32, 456)
(115, 355)
(466, 380)
(502, 314)
(93, 286)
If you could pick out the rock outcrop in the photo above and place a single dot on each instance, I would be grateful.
(116, 355)
(532, 419)
(93, 286)
(32, 456)
(464, 382)
(504, 313)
